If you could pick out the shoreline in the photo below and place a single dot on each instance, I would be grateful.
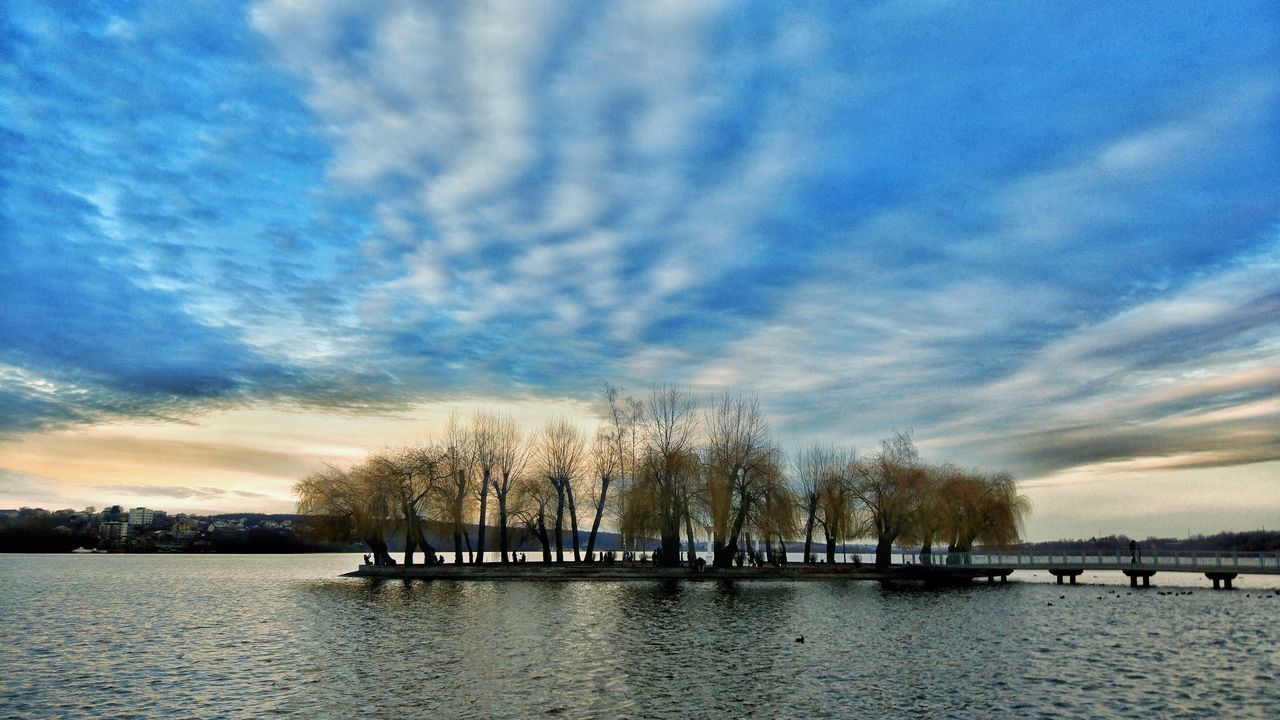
(614, 572)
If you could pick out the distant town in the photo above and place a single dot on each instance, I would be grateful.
(142, 529)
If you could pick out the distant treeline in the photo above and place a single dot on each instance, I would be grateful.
(1251, 541)
(42, 536)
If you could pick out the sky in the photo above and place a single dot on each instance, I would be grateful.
(239, 240)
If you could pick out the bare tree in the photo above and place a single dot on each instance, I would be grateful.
(533, 496)
(737, 446)
(626, 418)
(670, 428)
(484, 442)
(562, 459)
(459, 457)
(609, 455)
(511, 452)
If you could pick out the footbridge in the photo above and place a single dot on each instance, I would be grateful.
(1220, 567)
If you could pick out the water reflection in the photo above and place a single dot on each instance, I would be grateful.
(240, 637)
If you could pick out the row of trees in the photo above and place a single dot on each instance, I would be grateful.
(659, 469)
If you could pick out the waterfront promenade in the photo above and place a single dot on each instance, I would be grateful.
(909, 566)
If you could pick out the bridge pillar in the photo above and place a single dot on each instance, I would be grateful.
(1221, 577)
(1135, 575)
(1070, 573)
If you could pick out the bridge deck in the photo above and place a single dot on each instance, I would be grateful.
(1241, 563)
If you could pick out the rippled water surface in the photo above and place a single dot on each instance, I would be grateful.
(249, 636)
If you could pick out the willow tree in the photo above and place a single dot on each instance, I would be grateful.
(348, 505)
(667, 467)
(931, 520)
(837, 515)
(411, 475)
(773, 513)
(820, 475)
(887, 485)
(737, 448)
(982, 508)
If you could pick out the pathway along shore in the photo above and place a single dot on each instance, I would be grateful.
(619, 571)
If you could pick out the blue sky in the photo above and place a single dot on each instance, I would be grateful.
(1044, 237)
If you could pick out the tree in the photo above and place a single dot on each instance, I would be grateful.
(666, 472)
(562, 458)
(605, 461)
(411, 475)
(458, 458)
(533, 495)
(773, 512)
(887, 484)
(812, 465)
(825, 495)
(977, 507)
(511, 452)
(484, 442)
(737, 446)
(345, 505)
(609, 455)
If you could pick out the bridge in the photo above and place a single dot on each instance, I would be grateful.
(1220, 567)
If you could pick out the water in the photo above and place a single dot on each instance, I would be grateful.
(158, 636)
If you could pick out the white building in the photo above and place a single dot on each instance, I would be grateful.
(141, 517)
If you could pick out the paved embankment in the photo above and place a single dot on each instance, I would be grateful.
(616, 571)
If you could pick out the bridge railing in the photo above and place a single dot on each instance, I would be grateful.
(1168, 560)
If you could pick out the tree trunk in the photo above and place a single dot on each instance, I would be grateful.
(688, 531)
(457, 520)
(502, 526)
(380, 554)
(884, 548)
(670, 548)
(732, 548)
(808, 529)
(595, 524)
(480, 529)
(541, 531)
(573, 519)
(559, 522)
(409, 547)
(831, 548)
(720, 556)
(420, 538)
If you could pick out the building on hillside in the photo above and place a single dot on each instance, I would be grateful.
(113, 530)
(141, 517)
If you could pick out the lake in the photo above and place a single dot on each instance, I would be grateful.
(158, 636)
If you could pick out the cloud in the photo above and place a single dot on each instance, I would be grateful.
(1014, 230)
(180, 492)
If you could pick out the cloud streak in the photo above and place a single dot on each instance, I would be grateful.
(1014, 230)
